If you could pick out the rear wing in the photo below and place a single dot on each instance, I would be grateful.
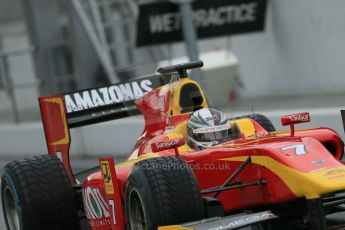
(110, 102)
(62, 112)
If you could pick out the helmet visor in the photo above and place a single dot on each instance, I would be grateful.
(216, 133)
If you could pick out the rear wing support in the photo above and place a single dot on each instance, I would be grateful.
(112, 192)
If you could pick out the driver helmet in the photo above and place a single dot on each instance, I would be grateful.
(207, 127)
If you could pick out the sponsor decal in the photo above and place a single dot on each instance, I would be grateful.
(96, 208)
(299, 149)
(108, 182)
(335, 172)
(169, 129)
(168, 120)
(244, 221)
(300, 117)
(295, 118)
(112, 205)
(212, 129)
(213, 118)
(113, 94)
(321, 162)
(167, 144)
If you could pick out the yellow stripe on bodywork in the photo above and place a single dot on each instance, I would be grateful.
(174, 227)
(246, 126)
(288, 131)
(310, 185)
(182, 128)
(248, 142)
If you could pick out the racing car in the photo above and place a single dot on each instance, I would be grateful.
(259, 179)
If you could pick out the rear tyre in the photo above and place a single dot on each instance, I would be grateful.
(36, 194)
(162, 191)
(261, 119)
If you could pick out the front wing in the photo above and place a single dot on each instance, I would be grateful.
(225, 223)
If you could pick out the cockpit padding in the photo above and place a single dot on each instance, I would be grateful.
(190, 98)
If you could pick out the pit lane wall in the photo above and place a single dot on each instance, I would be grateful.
(117, 138)
(111, 138)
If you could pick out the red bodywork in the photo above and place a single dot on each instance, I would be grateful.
(211, 166)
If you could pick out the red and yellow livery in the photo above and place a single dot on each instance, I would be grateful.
(267, 169)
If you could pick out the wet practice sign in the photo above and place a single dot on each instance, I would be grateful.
(161, 22)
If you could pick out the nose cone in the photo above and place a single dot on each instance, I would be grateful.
(313, 185)
(307, 167)
(303, 164)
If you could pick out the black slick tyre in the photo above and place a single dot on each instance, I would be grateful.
(261, 119)
(162, 191)
(36, 195)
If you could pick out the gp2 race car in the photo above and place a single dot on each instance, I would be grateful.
(261, 179)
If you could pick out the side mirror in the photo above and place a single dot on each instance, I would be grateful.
(168, 144)
(293, 119)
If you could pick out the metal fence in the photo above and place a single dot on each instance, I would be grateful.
(11, 87)
(7, 83)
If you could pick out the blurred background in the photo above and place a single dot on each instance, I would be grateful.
(272, 57)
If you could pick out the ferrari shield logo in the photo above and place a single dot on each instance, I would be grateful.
(108, 183)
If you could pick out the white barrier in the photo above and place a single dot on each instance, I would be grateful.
(111, 138)
(117, 138)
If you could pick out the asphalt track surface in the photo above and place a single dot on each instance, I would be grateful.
(324, 110)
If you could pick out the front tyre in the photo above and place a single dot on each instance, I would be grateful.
(162, 191)
(36, 195)
(261, 119)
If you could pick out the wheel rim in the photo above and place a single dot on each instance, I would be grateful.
(136, 211)
(11, 210)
